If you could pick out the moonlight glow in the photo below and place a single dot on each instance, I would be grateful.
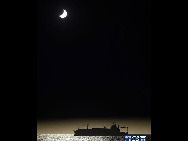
(64, 14)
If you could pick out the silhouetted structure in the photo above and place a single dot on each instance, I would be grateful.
(113, 131)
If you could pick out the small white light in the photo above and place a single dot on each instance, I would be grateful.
(64, 14)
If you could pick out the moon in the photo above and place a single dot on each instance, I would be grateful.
(64, 14)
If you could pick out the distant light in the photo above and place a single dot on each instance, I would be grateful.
(64, 14)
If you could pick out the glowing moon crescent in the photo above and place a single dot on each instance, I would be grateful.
(64, 14)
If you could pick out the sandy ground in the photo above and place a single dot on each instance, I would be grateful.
(136, 126)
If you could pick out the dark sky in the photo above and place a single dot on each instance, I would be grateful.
(95, 62)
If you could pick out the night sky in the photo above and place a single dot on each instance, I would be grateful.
(96, 62)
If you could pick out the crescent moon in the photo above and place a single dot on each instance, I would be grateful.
(64, 14)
